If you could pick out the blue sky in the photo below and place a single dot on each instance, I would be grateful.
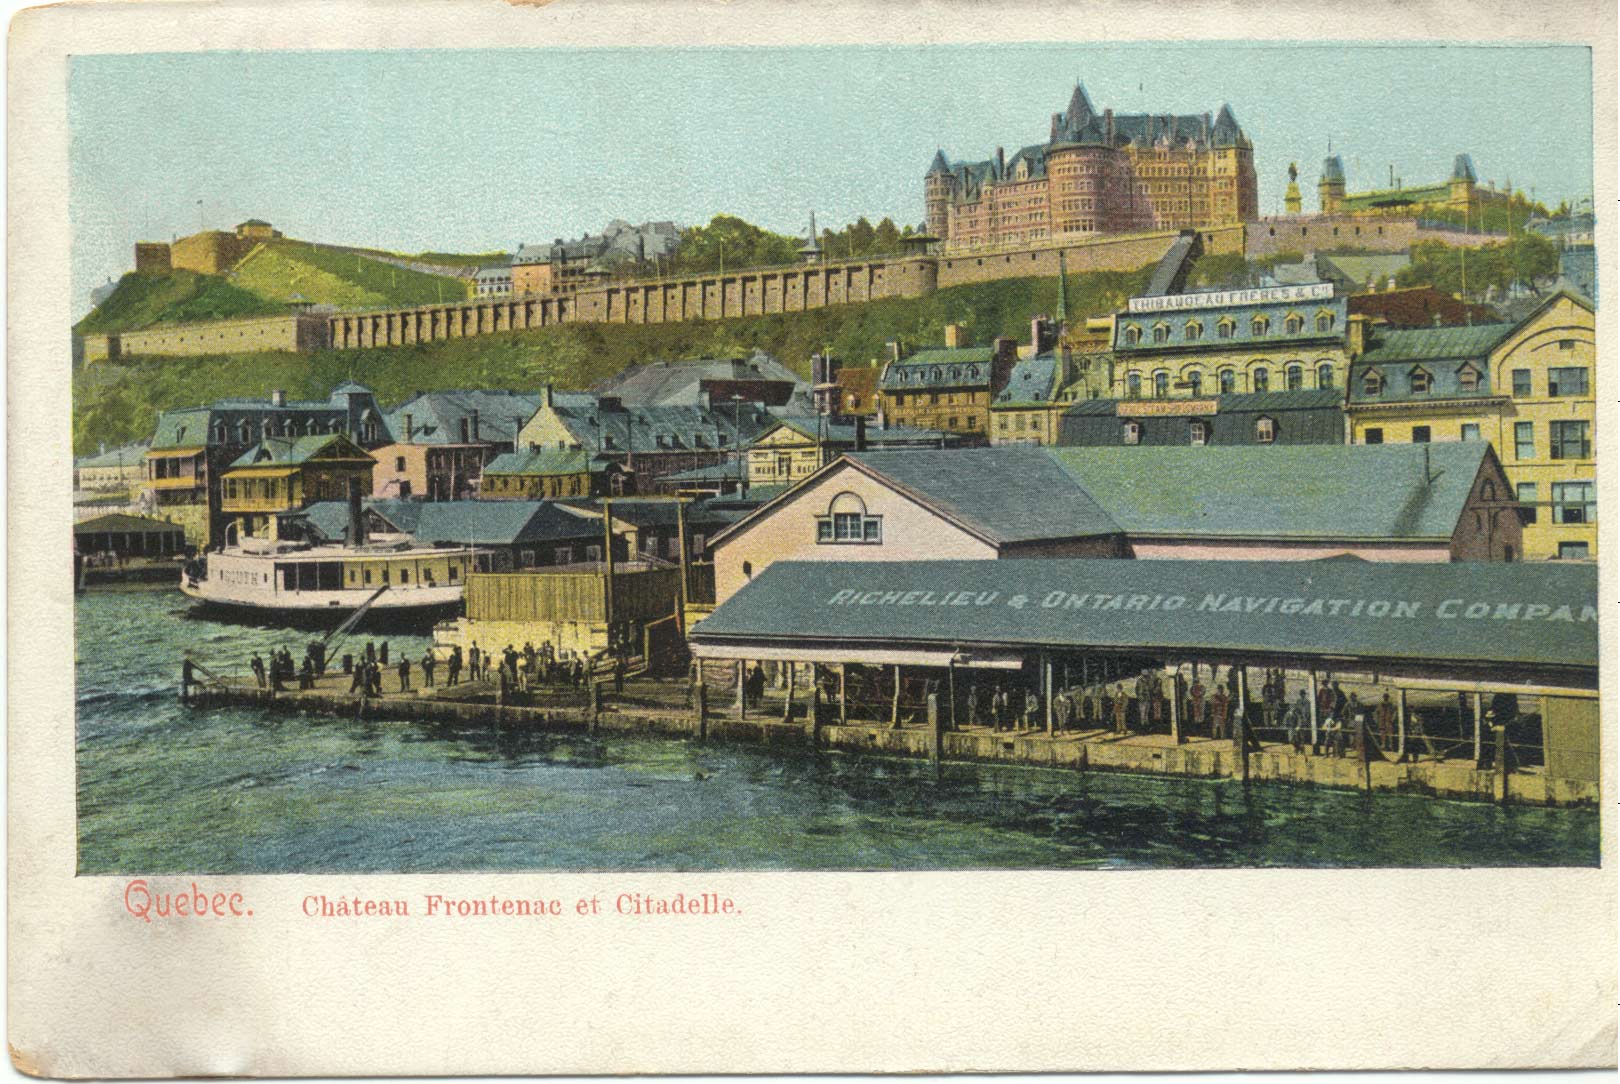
(481, 150)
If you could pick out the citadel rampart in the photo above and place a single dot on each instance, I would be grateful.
(754, 291)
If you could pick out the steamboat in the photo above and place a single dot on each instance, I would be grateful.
(295, 573)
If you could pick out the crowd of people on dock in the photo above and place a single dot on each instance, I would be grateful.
(514, 669)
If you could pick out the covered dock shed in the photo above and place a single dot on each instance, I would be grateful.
(1519, 637)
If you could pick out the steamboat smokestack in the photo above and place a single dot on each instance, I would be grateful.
(357, 518)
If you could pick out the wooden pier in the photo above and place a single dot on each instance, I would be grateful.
(668, 708)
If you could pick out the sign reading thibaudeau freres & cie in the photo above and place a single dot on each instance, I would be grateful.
(1313, 291)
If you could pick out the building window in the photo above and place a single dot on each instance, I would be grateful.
(1372, 436)
(1198, 432)
(1296, 377)
(1161, 384)
(1259, 326)
(1193, 331)
(1133, 335)
(1525, 493)
(846, 522)
(1470, 431)
(1372, 383)
(1260, 380)
(1574, 551)
(1133, 386)
(1468, 378)
(1574, 502)
(1131, 433)
(1562, 382)
(1195, 382)
(1294, 324)
(1227, 381)
(1419, 380)
(1324, 322)
(1324, 375)
(1420, 434)
(1566, 344)
(1524, 440)
(399, 462)
(1571, 440)
(1521, 383)
(1161, 333)
(1265, 431)
(1226, 328)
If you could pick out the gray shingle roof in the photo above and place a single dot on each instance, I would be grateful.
(1033, 380)
(1243, 333)
(1301, 608)
(436, 416)
(1005, 495)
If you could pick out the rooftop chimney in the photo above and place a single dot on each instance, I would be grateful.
(548, 399)
(956, 336)
(860, 432)
(475, 425)
(896, 349)
(410, 428)
(278, 398)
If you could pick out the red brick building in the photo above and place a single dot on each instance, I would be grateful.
(1098, 173)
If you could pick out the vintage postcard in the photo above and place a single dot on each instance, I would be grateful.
(628, 538)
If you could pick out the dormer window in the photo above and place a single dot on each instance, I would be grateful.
(1133, 335)
(1294, 324)
(1420, 381)
(1193, 331)
(1259, 326)
(1372, 383)
(1131, 433)
(973, 372)
(934, 374)
(243, 432)
(1226, 328)
(1324, 322)
(219, 433)
(1468, 378)
(1161, 333)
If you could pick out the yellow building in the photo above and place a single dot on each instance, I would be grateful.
(1459, 192)
(1286, 338)
(1528, 388)
(284, 474)
(795, 448)
(535, 475)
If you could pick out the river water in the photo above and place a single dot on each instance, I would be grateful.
(166, 789)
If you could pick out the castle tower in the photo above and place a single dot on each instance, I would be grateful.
(1462, 183)
(811, 251)
(938, 188)
(1291, 199)
(1330, 189)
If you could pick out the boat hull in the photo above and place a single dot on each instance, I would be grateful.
(414, 616)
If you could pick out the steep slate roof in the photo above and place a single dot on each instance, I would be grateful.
(1293, 609)
(919, 370)
(436, 416)
(678, 383)
(1379, 267)
(1436, 343)
(128, 524)
(1242, 334)
(288, 451)
(543, 462)
(682, 427)
(478, 523)
(1005, 495)
(1293, 491)
(125, 455)
(1033, 381)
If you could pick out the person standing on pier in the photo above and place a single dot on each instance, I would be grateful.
(1385, 715)
(973, 704)
(404, 671)
(360, 679)
(306, 676)
(578, 675)
(1298, 720)
(427, 668)
(1218, 706)
(1121, 708)
(257, 665)
(454, 665)
(1195, 704)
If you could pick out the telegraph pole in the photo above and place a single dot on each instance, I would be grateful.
(607, 555)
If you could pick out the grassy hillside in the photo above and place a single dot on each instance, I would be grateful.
(280, 269)
(141, 301)
(119, 403)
